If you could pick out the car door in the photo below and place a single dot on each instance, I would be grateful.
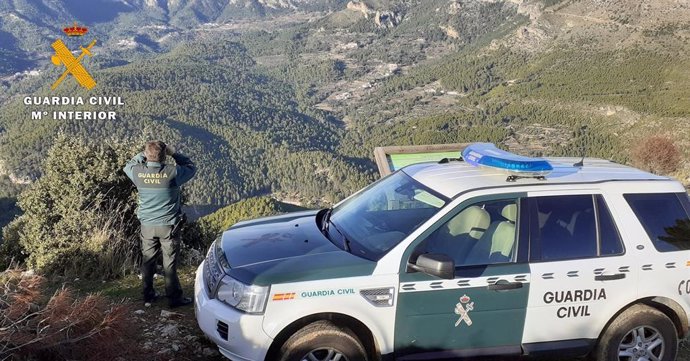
(481, 310)
(581, 274)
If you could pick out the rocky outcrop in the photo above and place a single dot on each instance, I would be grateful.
(274, 4)
(450, 31)
(387, 19)
(361, 7)
(278, 4)
(529, 38)
(533, 9)
(382, 18)
(13, 178)
(454, 7)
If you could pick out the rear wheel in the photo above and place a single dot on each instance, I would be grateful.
(640, 333)
(323, 341)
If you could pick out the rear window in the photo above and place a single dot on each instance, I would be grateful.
(664, 217)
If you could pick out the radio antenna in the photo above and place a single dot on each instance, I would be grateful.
(583, 146)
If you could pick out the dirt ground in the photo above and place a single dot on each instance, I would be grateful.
(162, 334)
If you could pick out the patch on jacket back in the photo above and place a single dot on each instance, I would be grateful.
(145, 177)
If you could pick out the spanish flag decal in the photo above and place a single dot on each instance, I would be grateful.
(283, 296)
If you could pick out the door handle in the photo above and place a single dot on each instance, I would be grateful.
(502, 285)
(613, 277)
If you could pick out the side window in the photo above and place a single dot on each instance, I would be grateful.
(572, 227)
(665, 218)
(610, 242)
(564, 227)
(483, 233)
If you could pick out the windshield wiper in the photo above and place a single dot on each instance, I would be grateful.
(325, 226)
(346, 242)
(325, 220)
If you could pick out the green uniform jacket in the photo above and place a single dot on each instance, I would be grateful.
(159, 187)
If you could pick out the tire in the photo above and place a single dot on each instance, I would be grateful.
(616, 342)
(325, 342)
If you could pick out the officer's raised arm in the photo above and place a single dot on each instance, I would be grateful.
(185, 167)
(137, 159)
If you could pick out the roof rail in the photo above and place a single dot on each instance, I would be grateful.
(448, 160)
(513, 178)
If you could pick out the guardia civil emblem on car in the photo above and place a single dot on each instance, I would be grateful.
(463, 309)
(489, 253)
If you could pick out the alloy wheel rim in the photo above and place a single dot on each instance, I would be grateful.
(642, 343)
(324, 354)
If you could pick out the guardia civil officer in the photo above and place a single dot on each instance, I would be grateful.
(160, 214)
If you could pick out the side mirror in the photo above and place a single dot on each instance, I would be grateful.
(438, 265)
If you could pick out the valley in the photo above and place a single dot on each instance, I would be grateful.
(290, 97)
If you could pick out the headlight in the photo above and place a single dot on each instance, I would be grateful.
(222, 260)
(250, 299)
(212, 271)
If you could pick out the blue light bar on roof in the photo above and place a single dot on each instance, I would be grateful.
(487, 155)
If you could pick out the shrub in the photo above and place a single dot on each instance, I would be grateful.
(656, 154)
(211, 225)
(60, 327)
(79, 217)
(11, 250)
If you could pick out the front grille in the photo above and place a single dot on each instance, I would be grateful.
(222, 330)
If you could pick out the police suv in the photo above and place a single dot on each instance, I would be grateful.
(488, 254)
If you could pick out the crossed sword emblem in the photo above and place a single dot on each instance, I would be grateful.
(73, 65)
(463, 312)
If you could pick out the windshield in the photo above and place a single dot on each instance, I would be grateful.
(378, 218)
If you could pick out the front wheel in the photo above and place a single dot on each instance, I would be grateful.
(323, 341)
(640, 333)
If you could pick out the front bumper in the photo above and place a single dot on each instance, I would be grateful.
(246, 339)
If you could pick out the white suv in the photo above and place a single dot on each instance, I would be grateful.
(493, 254)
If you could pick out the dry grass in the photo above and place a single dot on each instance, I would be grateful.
(59, 327)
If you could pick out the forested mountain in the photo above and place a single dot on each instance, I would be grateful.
(242, 128)
(25, 25)
(289, 97)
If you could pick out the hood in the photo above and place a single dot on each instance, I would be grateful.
(287, 248)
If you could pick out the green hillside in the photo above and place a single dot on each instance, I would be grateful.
(292, 103)
(219, 221)
(240, 126)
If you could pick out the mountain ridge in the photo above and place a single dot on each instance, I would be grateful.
(524, 74)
